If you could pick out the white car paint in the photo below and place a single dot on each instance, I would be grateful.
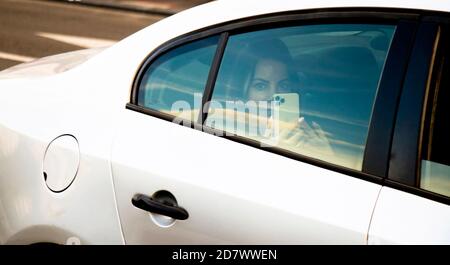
(403, 218)
(44, 99)
(50, 65)
(234, 193)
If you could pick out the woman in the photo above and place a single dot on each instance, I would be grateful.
(274, 72)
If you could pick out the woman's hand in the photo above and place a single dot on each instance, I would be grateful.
(302, 138)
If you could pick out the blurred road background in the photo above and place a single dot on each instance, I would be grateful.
(32, 29)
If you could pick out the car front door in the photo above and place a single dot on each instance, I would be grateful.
(413, 207)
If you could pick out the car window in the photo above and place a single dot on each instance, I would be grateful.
(435, 162)
(174, 82)
(306, 89)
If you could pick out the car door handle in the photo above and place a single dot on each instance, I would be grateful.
(162, 202)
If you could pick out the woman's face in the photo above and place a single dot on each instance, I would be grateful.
(270, 77)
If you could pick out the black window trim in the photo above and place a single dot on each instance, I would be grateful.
(212, 76)
(403, 173)
(404, 151)
(374, 173)
(381, 128)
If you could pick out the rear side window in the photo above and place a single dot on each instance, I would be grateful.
(306, 89)
(174, 82)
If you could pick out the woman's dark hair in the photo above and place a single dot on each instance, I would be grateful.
(273, 49)
(268, 49)
(243, 58)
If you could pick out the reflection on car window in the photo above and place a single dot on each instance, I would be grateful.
(176, 80)
(307, 89)
(435, 164)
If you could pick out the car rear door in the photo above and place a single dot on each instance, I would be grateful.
(232, 188)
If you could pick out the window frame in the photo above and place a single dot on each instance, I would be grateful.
(381, 127)
(404, 166)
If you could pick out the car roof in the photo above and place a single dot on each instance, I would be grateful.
(221, 11)
(235, 5)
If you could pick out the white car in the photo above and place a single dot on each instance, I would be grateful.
(323, 123)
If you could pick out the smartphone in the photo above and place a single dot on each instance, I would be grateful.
(288, 107)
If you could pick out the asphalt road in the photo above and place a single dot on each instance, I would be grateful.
(32, 29)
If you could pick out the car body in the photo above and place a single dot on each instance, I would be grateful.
(77, 146)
